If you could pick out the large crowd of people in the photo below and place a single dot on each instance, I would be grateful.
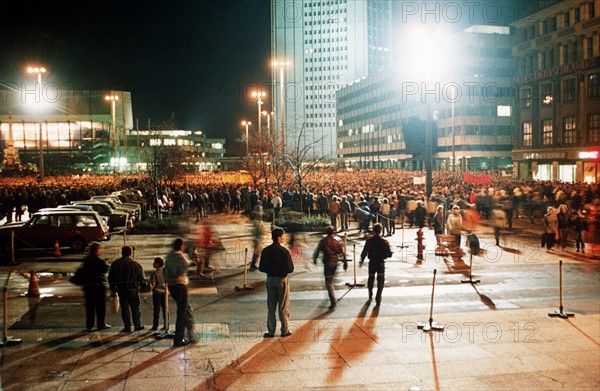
(376, 198)
(328, 189)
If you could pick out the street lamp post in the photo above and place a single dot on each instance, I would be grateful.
(246, 124)
(259, 95)
(268, 115)
(282, 65)
(113, 99)
(38, 71)
(453, 135)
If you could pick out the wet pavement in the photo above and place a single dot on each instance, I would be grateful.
(498, 335)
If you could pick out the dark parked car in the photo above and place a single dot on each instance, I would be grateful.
(75, 228)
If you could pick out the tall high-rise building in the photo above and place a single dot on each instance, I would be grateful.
(321, 46)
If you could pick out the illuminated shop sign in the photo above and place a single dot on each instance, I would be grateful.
(544, 155)
(589, 154)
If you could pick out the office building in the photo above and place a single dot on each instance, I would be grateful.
(384, 118)
(77, 133)
(557, 54)
(327, 44)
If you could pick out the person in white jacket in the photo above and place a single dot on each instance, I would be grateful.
(498, 221)
(454, 224)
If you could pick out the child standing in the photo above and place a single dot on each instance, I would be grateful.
(159, 294)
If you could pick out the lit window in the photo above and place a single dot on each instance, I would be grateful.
(526, 97)
(547, 132)
(504, 111)
(569, 130)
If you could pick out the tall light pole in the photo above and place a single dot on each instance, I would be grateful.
(282, 65)
(113, 99)
(453, 135)
(246, 124)
(259, 95)
(39, 71)
(268, 115)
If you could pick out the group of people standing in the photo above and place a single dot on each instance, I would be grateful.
(558, 226)
(126, 279)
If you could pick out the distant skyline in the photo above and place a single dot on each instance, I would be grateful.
(195, 60)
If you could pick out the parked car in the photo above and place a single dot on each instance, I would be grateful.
(137, 210)
(132, 196)
(75, 228)
(76, 207)
(116, 219)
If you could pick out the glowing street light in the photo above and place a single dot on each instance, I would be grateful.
(281, 65)
(113, 99)
(39, 71)
(259, 95)
(246, 124)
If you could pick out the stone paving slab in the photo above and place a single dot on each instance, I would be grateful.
(508, 350)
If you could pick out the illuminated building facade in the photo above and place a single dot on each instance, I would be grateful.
(328, 43)
(557, 54)
(77, 133)
(76, 126)
(382, 119)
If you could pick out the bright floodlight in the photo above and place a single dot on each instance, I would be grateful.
(426, 53)
(37, 70)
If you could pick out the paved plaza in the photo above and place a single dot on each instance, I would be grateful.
(498, 335)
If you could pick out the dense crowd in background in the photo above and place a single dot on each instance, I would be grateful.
(235, 192)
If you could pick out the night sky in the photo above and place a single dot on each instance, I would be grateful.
(195, 60)
(191, 59)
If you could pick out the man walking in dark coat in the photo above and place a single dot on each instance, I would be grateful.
(377, 249)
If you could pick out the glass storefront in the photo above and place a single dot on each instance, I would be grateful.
(567, 172)
(543, 172)
(591, 172)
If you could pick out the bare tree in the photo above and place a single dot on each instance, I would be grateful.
(297, 160)
(164, 162)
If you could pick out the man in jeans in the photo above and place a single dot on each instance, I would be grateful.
(126, 277)
(276, 262)
(176, 265)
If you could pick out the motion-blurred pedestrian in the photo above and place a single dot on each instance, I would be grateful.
(332, 250)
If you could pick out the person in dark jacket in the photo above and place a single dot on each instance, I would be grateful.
(94, 270)
(580, 225)
(377, 249)
(126, 277)
(276, 262)
(564, 223)
(331, 249)
(419, 215)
